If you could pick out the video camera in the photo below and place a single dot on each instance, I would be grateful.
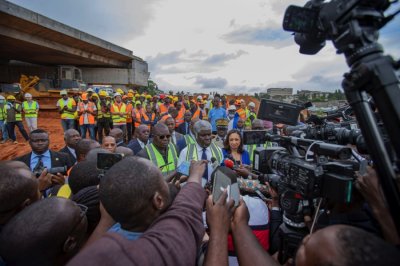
(53, 170)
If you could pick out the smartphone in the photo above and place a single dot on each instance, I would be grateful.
(106, 160)
(183, 168)
(225, 178)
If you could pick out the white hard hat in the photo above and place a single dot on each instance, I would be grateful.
(63, 92)
(117, 94)
(251, 104)
(199, 97)
(28, 95)
(2, 97)
(89, 90)
(231, 107)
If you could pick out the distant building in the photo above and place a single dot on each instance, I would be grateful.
(312, 95)
(279, 92)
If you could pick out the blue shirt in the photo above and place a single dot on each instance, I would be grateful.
(214, 114)
(116, 228)
(46, 159)
(245, 157)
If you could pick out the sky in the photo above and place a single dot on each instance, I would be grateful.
(230, 46)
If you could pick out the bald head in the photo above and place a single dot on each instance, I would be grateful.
(257, 124)
(117, 133)
(71, 138)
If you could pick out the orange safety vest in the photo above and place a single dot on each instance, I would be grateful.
(129, 108)
(138, 115)
(163, 108)
(90, 107)
(179, 119)
(146, 117)
(165, 117)
(197, 114)
(242, 113)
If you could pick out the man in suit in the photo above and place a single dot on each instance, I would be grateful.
(118, 135)
(176, 137)
(41, 157)
(184, 128)
(71, 138)
(142, 139)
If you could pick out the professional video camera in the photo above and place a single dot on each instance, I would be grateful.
(353, 26)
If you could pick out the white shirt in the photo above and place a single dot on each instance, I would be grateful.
(173, 137)
(182, 158)
(142, 144)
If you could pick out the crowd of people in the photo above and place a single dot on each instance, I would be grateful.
(59, 207)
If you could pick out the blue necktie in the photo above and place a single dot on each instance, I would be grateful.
(204, 157)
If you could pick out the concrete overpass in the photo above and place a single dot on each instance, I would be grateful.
(33, 38)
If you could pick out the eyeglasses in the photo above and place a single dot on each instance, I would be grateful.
(163, 136)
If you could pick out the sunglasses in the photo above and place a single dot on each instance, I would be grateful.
(163, 136)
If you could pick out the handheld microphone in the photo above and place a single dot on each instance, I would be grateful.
(214, 163)
(229, 163)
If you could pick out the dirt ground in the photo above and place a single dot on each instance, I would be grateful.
(47, 122)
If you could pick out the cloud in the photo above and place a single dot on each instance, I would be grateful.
(117, 21)
(211, 83)
(221, 59)
(259, 35)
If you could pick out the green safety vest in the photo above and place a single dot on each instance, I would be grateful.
(30, 111)
(252, 148)
(189, 139)
(247, 123)
(66, 114)
(116, 118)
(156, 157)
(100, 113)
(3, 113)
(192, 152)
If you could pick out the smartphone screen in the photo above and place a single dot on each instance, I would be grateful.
(222, 182)
(183, 168)
(106, 160)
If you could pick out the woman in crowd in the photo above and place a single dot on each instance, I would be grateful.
(233, 148)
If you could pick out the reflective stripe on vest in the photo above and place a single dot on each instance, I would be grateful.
(138, 116)
(189, 139)
(30, 111)
(117, 118)
(90, 117)
(3, 113)
(66, 114)
(192, 152)
(158, 160)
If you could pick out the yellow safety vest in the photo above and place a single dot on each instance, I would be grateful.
(30, 111)
(67, 114)
(116, 118)
(3, 113)
(158, 160)
(248, 120)
(189, 139)
(18, 116)
(100, 114)
(192, 152)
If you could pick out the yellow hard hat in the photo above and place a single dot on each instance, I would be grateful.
(120, 91)
(148, 96)
(95, 95)
(10, 97)
(130, 91)
(103, 93)
(130, 95)
(175, 99)
(137, 95)
(142, 95)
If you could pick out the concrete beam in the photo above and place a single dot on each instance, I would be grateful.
(14, 34)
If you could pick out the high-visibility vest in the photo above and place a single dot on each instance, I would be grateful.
(129, 108)
(90, 107)
(138, 115)
(147, 119)
(179, 118)
(100, 113)
(30, 111)
(192, 152)
(158, 160)
(64, 191)
(189, 139)
(18, 116)
(3, 113)
(70, 104)
(242, 113)
(119, 109)
(163, 108)
(165, 117)
(248, 120)
(251, 148)
(198, 112)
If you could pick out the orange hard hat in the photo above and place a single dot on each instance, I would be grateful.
(84, 96)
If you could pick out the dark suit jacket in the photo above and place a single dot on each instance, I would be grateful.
(134, 146)
(70, 155)
(182, 129)
(58, 159)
